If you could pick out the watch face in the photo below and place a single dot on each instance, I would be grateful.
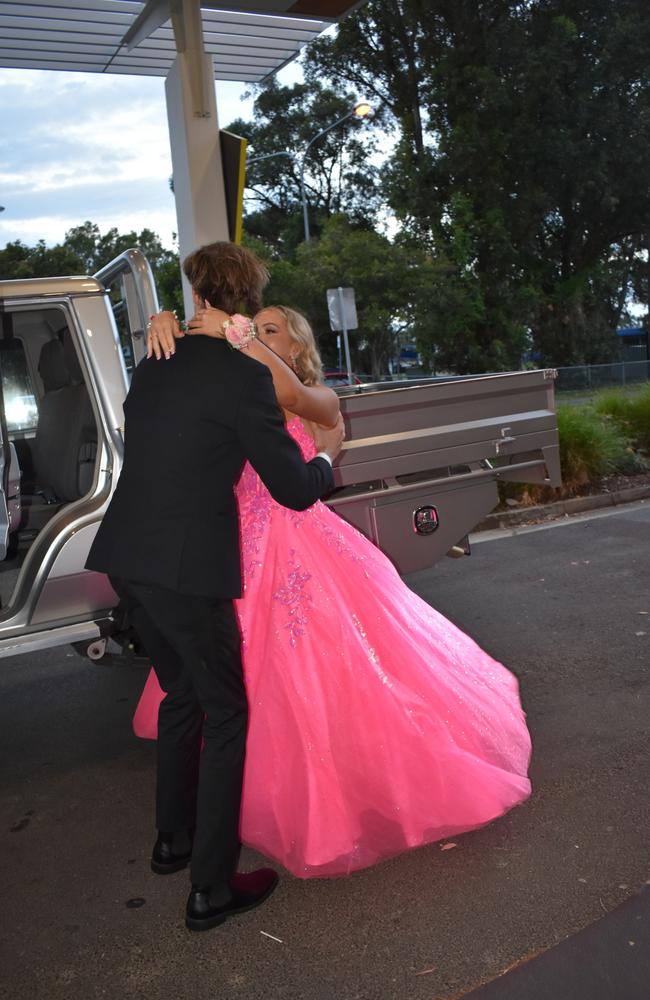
(425, 520)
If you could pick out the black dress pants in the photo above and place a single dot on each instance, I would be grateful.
(194, 646)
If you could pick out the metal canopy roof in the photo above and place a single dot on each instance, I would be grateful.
(248, 39)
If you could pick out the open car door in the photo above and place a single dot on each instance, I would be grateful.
(129, 281)
(5, 466)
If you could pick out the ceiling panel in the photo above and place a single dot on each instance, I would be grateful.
(248, 40)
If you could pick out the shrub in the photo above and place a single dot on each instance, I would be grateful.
(592, 444)
(630, 411)
(595, 441)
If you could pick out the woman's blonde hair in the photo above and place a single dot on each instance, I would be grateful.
(308, 364)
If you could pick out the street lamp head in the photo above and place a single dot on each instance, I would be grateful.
(362, 110)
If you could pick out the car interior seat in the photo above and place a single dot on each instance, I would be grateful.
(65, 445)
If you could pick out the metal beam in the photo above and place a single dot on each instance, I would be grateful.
(154, 14)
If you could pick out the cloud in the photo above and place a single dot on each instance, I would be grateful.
(79, 146)
(51, 227)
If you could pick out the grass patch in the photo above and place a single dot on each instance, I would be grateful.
(630, 412)
(595, 441)
(592, 445)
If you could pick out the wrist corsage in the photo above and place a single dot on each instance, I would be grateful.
(239, 331)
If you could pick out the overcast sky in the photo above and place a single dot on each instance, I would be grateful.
(77, 146)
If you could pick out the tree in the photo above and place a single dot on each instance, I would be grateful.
(339, 176)
(85, 250)
(379, 50)
(387, 279)
(523, 131)
(82, 241)
(591, 91)
(169, 284)
(96, 250)
(17, 260)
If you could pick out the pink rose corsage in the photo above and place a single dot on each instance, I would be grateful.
(239, 331)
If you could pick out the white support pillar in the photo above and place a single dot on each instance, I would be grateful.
(196, 156)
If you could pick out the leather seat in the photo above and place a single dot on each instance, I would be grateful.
(65, 446)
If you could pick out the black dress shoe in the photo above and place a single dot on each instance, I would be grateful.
(246, 892)
(164, 859)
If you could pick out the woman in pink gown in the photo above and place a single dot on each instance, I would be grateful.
(375, 724)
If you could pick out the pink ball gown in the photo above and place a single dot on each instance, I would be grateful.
(375, 724)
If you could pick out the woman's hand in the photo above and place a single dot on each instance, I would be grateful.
(162, 332)
(164, 329)
(209, 322)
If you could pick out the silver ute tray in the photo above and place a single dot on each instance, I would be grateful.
(420, 463)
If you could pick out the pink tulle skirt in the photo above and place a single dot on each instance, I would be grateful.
(375, 724)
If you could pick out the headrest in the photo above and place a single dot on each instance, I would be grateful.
(71, 359)
(52, 367)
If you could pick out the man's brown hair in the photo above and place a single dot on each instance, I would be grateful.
(227, 276)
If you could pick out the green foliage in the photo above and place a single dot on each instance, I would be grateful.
(338, 175)
(94, 250)
(592, 446)
(169, 285)
(20, 261)
(85, 250)
(596, 440)
(389, 282)
(630, 411)
(523, 136)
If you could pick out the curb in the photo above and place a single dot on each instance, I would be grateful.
(563, 508)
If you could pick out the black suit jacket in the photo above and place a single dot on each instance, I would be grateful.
(191, 422)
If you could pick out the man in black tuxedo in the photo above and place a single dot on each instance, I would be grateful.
(170, 544)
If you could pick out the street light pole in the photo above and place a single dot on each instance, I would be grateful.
(359, 111)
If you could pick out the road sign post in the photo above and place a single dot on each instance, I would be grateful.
(342, 310)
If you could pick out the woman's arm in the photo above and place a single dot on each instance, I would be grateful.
(316, 403)
(311, 402)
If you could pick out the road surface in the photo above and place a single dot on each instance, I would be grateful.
(567, 608)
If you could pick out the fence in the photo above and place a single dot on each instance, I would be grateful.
(579, 379)
(588, 378)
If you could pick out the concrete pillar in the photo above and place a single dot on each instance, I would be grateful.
(194, 138)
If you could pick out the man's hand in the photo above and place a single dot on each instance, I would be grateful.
(330, 439)
(162, 333)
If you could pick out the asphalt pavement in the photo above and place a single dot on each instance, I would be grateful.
(567, 608)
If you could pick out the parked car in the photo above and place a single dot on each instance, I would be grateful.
(337, 377)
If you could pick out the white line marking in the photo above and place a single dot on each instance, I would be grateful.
(273, 938)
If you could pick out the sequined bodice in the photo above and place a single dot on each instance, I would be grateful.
(257, 508)
(301, 435)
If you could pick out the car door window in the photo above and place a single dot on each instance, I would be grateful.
(131, 289)
(21, 408)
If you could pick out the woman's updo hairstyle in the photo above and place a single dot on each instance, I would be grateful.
(228, 277)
